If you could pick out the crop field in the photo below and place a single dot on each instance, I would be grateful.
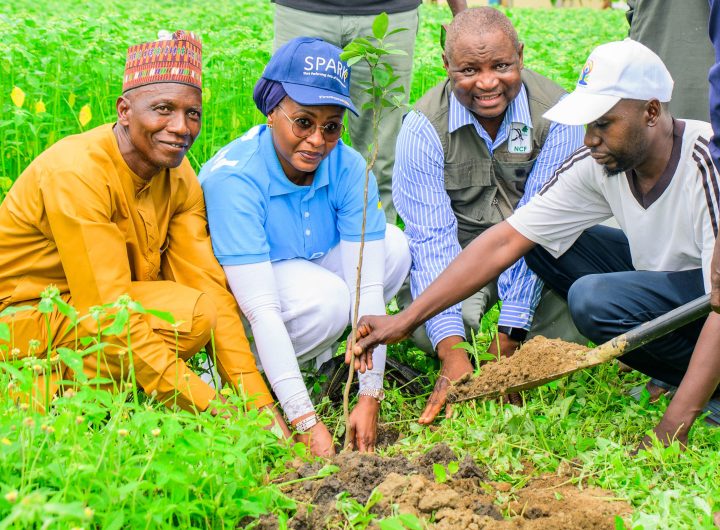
(116, 460)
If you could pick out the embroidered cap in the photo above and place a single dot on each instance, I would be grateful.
(312, 73)
(617, 70)
(173, 58)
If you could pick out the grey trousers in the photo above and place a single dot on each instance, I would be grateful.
(340, 30)
(552, 317)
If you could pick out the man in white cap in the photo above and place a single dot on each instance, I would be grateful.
(654, 174)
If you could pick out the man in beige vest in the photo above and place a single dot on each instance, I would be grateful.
(474, 148)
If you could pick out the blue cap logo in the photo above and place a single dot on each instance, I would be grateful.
(585, 73)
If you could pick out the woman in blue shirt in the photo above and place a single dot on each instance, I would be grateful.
(284, 204)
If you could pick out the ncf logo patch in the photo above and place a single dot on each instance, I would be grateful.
(585, 73)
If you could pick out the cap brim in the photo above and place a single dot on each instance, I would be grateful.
(579, 108)
(305, 95)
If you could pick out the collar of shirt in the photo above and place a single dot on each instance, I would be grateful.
(279, 183)
(517, 112)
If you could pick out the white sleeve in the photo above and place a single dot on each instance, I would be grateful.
(371, 296)
(569, 203)
(254, 288)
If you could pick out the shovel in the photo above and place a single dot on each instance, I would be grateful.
(613, 348)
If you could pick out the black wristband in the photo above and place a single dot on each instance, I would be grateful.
(516, 334)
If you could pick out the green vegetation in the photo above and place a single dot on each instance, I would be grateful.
(101, 460)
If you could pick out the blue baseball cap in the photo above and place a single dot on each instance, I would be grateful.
(312, 73)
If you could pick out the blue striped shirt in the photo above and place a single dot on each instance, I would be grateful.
(430, 225)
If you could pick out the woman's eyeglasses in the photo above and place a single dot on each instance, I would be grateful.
(304, 127)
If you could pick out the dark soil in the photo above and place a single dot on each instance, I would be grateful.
(537, 359)
(466, 501)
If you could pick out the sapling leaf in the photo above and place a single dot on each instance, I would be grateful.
(396, 52)
(453, 467)
(394, 31)
(382, 77)
(351, 61)
(4, 332)
(380, 25)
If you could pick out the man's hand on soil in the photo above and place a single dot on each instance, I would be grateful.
(455, 364)
(363, 424)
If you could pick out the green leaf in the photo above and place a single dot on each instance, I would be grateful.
(4, 332)
(46, 306)
(619, 523)
(162, 315)
(355, 59)
(394, 31)
(392, 524)
(440, 473)
(463, 346)
(380, 25)
(66, 309)
(118, 325)
(453, 467)
(14, 309)
(74, 361)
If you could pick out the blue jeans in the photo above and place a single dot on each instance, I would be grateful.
(608, 297)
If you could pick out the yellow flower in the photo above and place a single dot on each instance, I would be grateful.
(226, 392)
(11, 496)
(85, 115)
(5, 441)
(89, 512)
(29, 422)
(123, 432)
(40, 107)
(155, 432)
(17, 96)
(79, 419)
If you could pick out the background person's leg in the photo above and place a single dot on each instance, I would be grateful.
(598, 250)
(553, 320)
(604, 306)
(290, 23)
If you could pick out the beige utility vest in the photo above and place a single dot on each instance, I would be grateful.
(485, 187)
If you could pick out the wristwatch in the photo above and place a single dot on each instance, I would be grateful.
(516, 334)
(377, 393)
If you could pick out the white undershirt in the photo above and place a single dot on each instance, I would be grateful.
(254, 287)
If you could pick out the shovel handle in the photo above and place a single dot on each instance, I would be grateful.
(654, 329)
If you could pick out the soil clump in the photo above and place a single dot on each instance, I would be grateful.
(466, 500)
(536, 359)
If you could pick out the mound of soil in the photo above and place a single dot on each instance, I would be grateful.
(466, 500)
(537, 359)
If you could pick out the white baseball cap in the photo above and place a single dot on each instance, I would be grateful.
(617, 70)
